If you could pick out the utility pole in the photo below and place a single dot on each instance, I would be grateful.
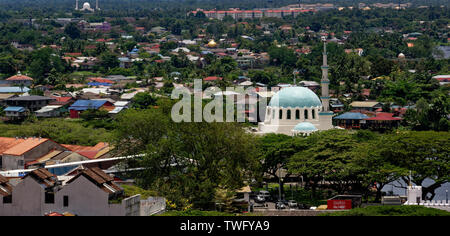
(279, 182)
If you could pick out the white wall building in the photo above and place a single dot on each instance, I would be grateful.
(292, 106)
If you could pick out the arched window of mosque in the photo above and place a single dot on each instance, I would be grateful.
(268, 112)
(313, 114)
(306, 114)
(297, 114)
(273, 115)
(288, 116)
(281, 114)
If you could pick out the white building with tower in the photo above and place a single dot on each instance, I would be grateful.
(298, 110)
(87, 6)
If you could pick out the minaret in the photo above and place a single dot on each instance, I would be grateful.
(76, 5)
(325, 81)
(96, 5)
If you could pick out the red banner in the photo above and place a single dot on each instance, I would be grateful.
(339, 204)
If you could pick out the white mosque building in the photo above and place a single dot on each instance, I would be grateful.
(87, 6)
(298, 110)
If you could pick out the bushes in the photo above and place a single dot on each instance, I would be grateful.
(391, 211)
(133, 190)
(59, 130)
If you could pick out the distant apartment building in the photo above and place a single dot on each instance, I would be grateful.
(250, 14)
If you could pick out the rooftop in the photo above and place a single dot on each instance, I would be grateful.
(24, 146)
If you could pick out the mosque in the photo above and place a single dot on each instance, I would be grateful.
(298, 110)
(87, 6)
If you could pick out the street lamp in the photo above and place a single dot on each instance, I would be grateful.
(279, 182)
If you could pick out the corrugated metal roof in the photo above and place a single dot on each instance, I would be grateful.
(82, 105)
(14, 90)
(25, 146)
(351, 116)
(15, 109)
(364, 104)
(30, 98)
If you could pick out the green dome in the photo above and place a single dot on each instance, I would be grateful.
(305, 126)
(295, 97)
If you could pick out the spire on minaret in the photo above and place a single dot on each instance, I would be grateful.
(76, 5)
(96, 5)
(324, 81)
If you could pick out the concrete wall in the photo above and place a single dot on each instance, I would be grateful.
(26, 200)
(84, 198)
(12, 162)
(152, 205)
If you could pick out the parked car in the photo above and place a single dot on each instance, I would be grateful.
(280, 205)
(266, 194)
(260, 198)
(292, 204)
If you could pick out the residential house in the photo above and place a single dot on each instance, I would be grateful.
(31, 103)
(383, 121)
(16, 152)
(49, 111)
(366, 105)
(20, 80)
(89, 193)
(83, 105)
(125, 62)
(15, 112)
(350, 120)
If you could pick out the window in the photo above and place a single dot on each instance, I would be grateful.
(49, 198)
(306, 114)
(281, 114)
(297, 114)
(288, 115)
(0, 162)
(313, 114)
(20, 163)
(7, 199)
(66, 201)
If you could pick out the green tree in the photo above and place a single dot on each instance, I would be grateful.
(143, 100)
(72, 31)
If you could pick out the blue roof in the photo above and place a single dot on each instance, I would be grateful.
(124, 59)
(295, 97)
(82, 105)
(14, 90)
(305, 126)
(99, 84)
(16, 109)
(351, 116)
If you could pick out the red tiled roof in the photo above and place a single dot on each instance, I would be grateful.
(73, 54)
(24, 146)
(62, 99)
(212, 78)
(19, 77)
(101, 80)
(87, 151)
(384, 116)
